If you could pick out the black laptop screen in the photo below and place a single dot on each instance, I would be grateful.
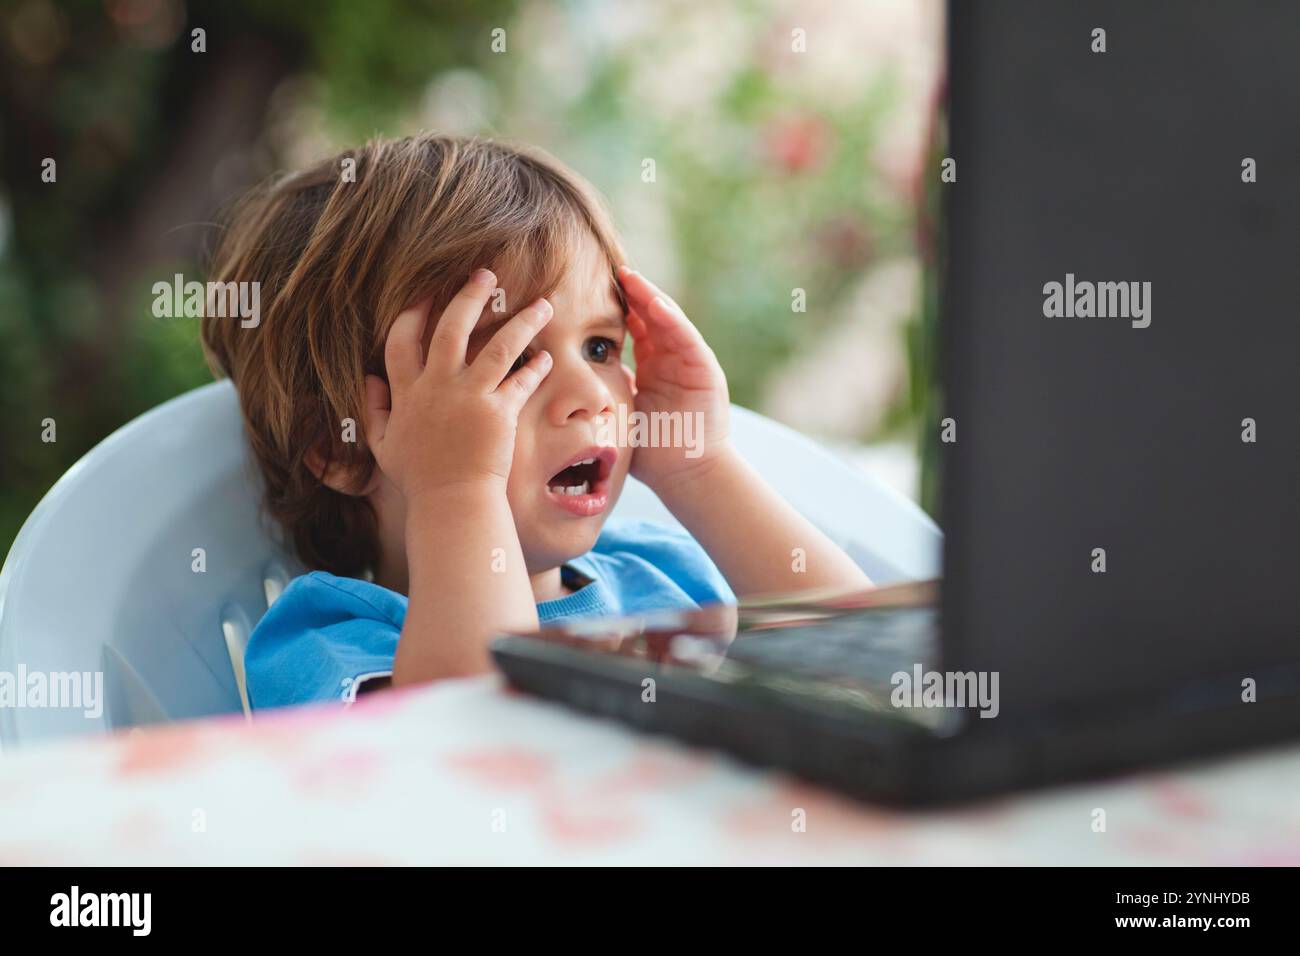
(1122, 347)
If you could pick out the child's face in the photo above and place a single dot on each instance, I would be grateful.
(561, 423)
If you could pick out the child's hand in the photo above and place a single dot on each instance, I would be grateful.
(676, 371)
(440, 423)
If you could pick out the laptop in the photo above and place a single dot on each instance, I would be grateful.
(1121, 503)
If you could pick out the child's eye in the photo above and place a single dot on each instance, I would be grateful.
(601, 349)
(520, 362)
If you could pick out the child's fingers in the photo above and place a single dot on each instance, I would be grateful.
(635, 286)
(642, 346)
(679, 350)
(451, 337)
(494, 361)
(664, 318)
(641, 291)
(520, 386)
(668, 322)
(378, 406)
(402, 351)
(664, 333)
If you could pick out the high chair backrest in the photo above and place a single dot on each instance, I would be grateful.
(150, 562)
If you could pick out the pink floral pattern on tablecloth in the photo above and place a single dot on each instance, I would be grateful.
(472, 772)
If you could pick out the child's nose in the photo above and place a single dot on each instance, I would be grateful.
(577, 390)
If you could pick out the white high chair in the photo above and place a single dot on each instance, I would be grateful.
(101, 577)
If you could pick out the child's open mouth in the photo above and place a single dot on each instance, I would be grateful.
(582, 486)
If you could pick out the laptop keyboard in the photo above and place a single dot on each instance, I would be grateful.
(867, 646)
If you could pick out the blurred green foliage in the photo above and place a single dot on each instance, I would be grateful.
(763, 191)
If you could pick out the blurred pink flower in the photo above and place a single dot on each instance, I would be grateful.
(845, 241)
(797, 144)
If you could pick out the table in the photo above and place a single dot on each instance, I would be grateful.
(471, 772)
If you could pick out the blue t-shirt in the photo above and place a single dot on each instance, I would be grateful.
(326, 634)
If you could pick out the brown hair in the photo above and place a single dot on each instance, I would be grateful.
(337, 260)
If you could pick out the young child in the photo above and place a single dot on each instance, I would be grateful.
(428, 393)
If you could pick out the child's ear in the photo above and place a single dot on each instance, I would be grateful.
(339, 476)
